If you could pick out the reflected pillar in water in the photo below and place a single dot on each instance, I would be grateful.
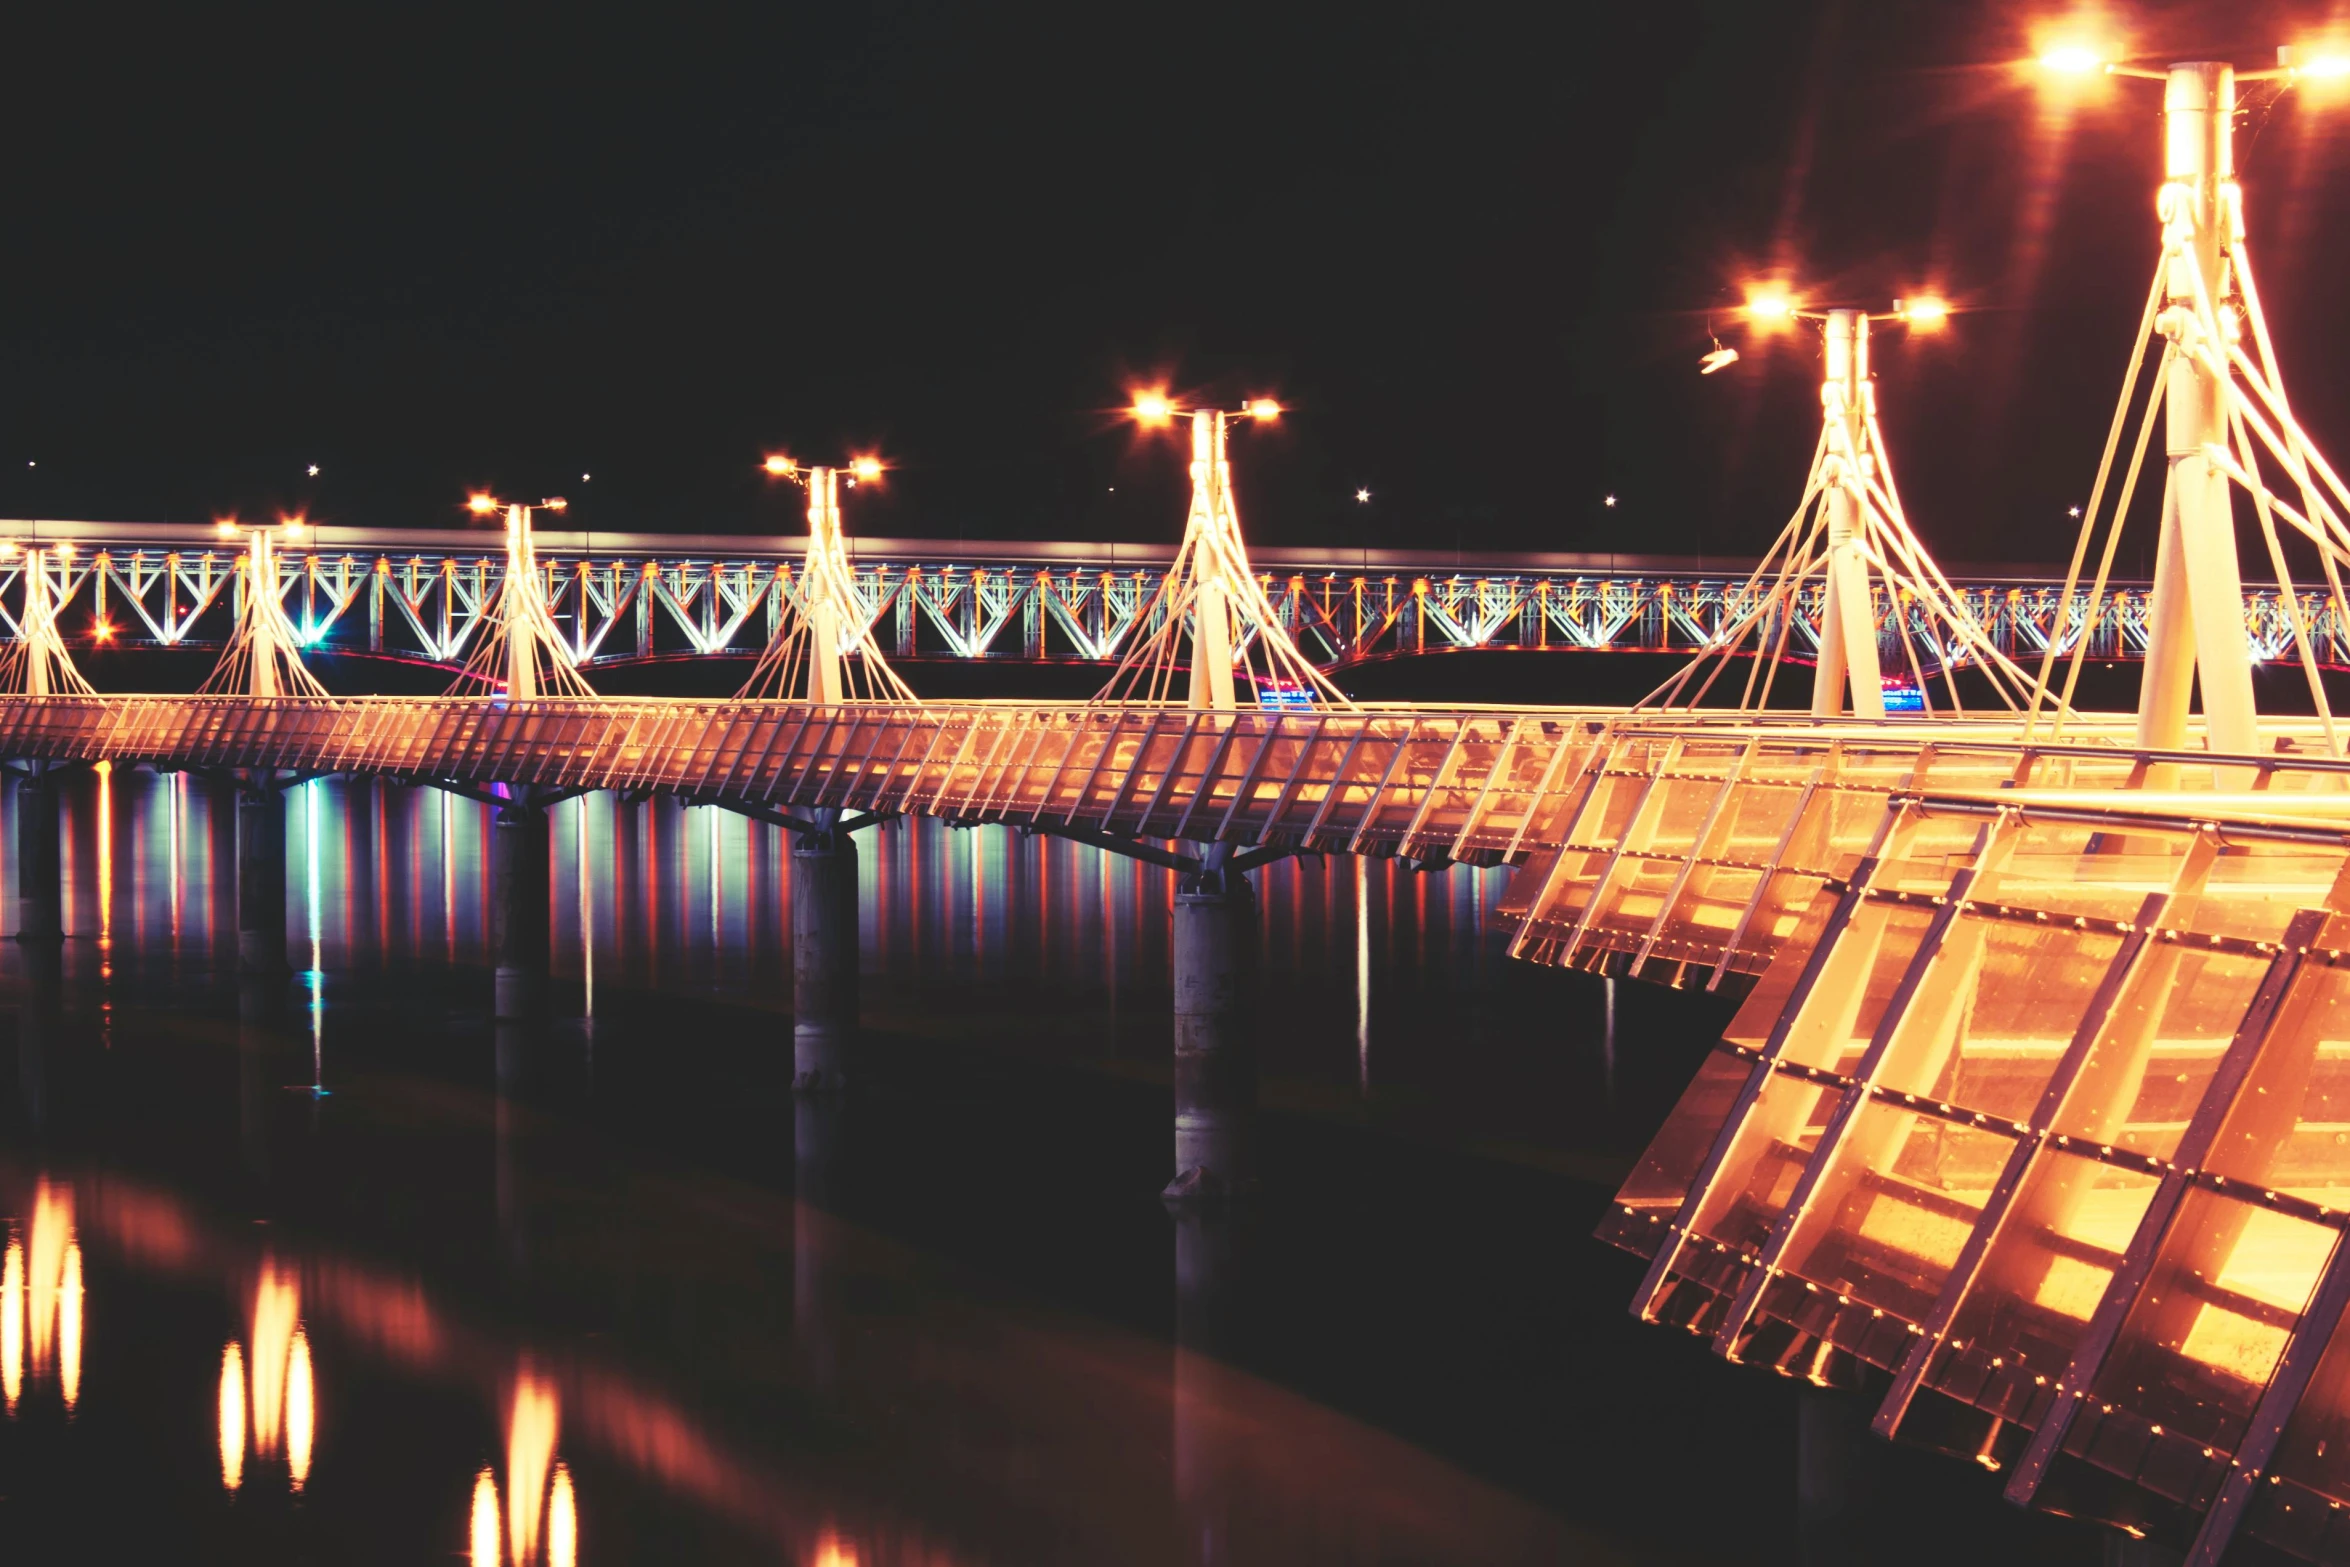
(1215, 1036)
(824, 955)
(261, 878)
(521, 907)
(1837, 1463)
(40, 896)
(816, 1152)
(1211, 1255)
(40, 1028)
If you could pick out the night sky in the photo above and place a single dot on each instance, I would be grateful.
(1475, 249)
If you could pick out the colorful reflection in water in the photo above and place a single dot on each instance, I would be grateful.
(1370, 961)
(41, 1301)
(270, 1394)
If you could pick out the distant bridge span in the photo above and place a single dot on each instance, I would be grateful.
(423, 593)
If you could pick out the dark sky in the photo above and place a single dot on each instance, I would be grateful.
(1475, 248)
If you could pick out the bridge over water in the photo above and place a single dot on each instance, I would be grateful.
(2033, 1121)
(425, 594)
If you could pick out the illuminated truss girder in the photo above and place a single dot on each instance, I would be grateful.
(617, 608)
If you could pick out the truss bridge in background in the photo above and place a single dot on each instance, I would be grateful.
(425, 594)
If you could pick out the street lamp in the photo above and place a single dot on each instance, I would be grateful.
(2222, 402)
(1210, 597)
(1849, 526)
(263, 657)
(826, 630)
(523, 650)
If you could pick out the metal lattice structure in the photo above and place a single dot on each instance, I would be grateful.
(922, 601)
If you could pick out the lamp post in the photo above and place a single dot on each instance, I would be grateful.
(2204, 309)
(525, 620)
(1211, 589)
(826, 587)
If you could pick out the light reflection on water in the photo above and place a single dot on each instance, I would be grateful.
(1377, 975)
(1036, 944)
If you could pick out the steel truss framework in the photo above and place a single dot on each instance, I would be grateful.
(433, 606)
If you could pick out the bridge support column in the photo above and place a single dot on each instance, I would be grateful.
(824, 957)
(261, 880)
(40, 891)
(1215, 1036)
(521, 909)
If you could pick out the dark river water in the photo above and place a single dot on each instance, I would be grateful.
(339, 1272)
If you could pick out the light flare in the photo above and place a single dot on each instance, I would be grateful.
(232, 1416)
(1152, 408)
(485, 1521)
(1924, 314)
(481, 503)
(2072, 60)
(1769, 306)
(301, 1409)
(530, 1454)
(1263, 409)
(12, 1323)
(779, 466)
(69, 1328)
(865, 470)
(562, 1521)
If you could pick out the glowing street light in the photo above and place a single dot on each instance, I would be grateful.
(826, 630)
(1262, 409)
(1152, 409)
(2221, 392)
(1923, 314)
(2073, 60)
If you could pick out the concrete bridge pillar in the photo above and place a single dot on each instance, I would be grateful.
(40, 892)
(261, 880)
(824, 957)
(1215, 1036)
(521, 909)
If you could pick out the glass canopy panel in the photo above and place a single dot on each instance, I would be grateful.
(2204, 1333)
(2039, 1281)
(1990, 1023)
(1895, 1206)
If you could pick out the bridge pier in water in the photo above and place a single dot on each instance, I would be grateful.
(1215, 1033)
(824, 956)
(521, 909)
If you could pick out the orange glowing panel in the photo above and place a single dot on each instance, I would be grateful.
(481, 503)
(865, 470)
(781, 467)
(1151, 409)
(1263, 409)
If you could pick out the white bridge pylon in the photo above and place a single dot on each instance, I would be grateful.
(823, 650)
(36, 662)
(1848, 536)
(1214, 623)
(263, 657)
(522, 654)
(2226, 424)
